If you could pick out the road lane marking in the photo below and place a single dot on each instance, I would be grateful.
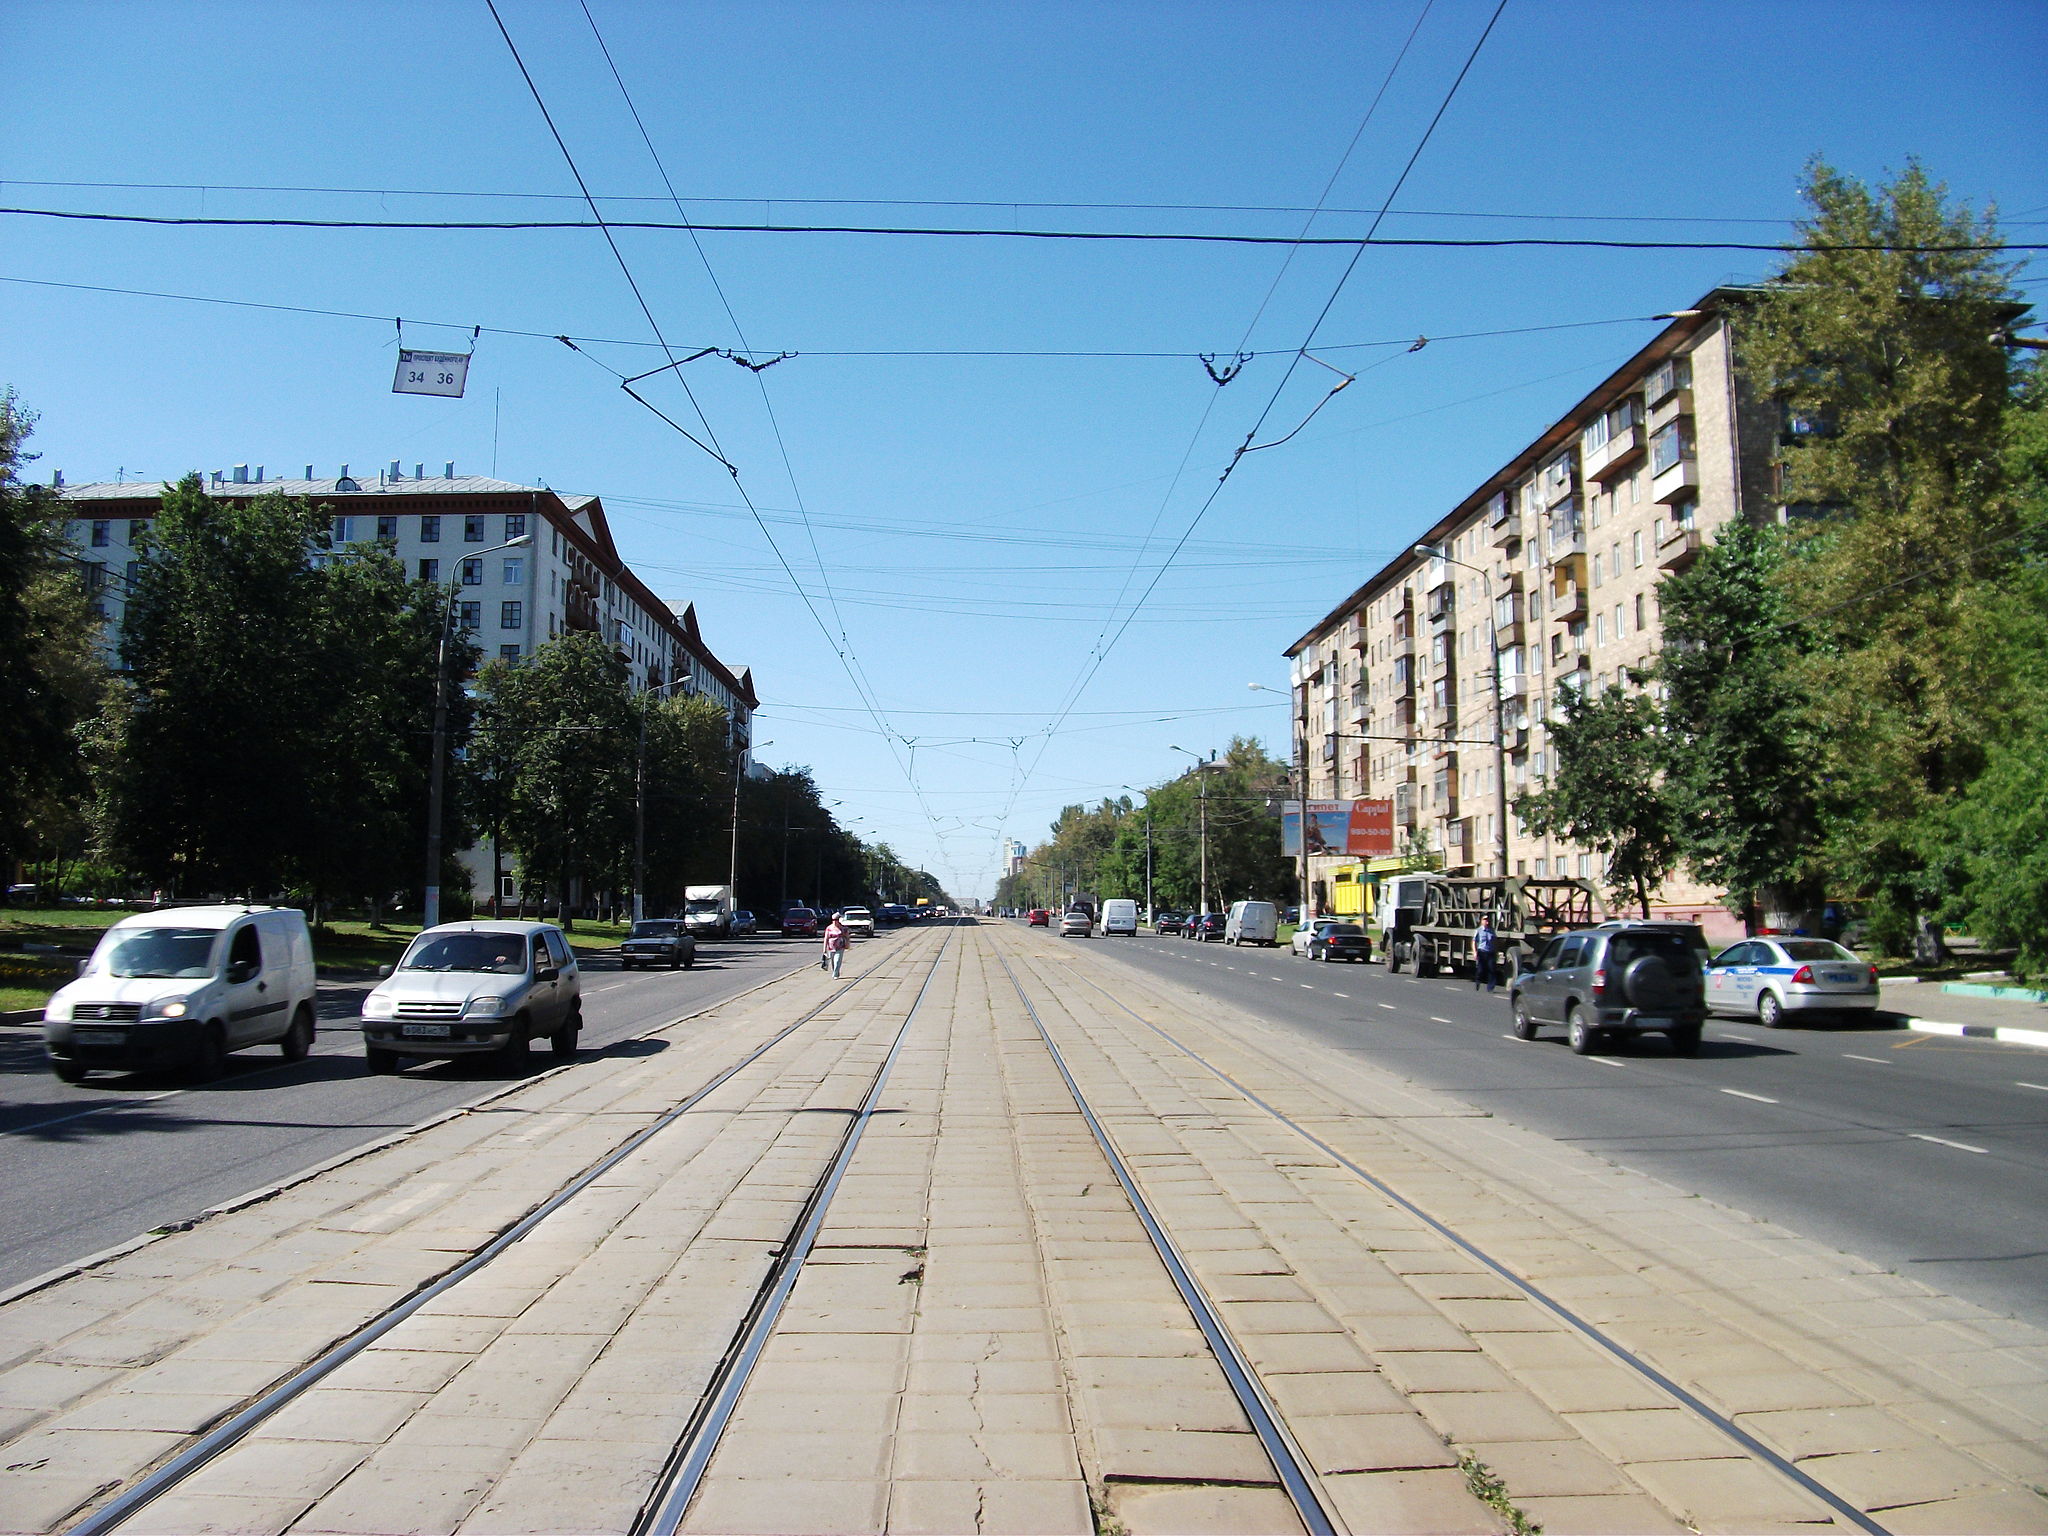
(1437, 1018)
(1305, 986)
(1756, 1096)
(1607, 1061)
(1960, 1146)
(1518, 1039)
(2042, 1086)
(1390, 1007)
(1347, 998)
(1875, 1061)
(1729, 1034)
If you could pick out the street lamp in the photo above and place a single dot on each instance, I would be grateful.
(1500, 722)
(1307, 900)
(1203, 766)
(1149, 912)
(437, 774)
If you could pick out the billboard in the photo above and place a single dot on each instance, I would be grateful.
(1361, 827)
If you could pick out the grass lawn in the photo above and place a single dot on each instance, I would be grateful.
(40, 947)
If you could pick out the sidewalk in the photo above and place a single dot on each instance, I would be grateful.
(1925, 1006)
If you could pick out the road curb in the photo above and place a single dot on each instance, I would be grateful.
(2004, 1033)
(2006, 994)
(239, 1202)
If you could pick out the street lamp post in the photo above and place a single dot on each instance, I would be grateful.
(437, 772)
(1500, 723)
(1149, 910)
(1202, 766)
(1307, 900)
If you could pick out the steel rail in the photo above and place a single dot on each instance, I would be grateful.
(1585, 1327)
(1297, 1478)
(683, 1473)
(226, 1435)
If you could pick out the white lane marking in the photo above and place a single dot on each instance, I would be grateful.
(1437, 1018)
(1756, 1096)
(1960, 1146)
(1729, 1034)
(1232, 967)
(1304, 986)
(1604, 1061)
(1347, 998)
(1520, 1041)
(1390, 1007)
(1875, 1061)
(2042, 1086)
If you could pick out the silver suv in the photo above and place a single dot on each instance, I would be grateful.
(1622, 978)
(467, 989)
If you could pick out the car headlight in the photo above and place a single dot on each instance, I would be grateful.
(486, 1007)
(379, 1006)
(167, 1008)
(57, 1012)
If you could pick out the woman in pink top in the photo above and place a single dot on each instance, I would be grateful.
(835, 945)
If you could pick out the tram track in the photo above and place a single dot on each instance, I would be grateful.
(701, 1435)
(1748, 1444)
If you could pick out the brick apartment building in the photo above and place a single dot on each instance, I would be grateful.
(1555, 558)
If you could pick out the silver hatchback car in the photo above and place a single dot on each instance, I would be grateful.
(468, 989)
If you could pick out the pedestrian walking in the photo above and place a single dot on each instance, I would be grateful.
(835, 945)
(1486, 953)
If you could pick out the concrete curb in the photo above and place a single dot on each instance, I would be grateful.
(2006, 994)
(2003, 1033)
(369, 1148)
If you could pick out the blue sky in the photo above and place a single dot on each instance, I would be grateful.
(976, 518)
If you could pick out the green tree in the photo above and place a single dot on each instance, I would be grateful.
(1746, 770)
(688, 793)
(1609, 792)
(1893, 385)
(52, 676)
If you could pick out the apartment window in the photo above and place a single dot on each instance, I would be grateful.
(1599, 629)
(515, 525)
(473, 572)
(513, 571)
(387, 528)
(473, 528)
(430, 530)
(1595, 435)
(470, 615)
(1685, 513)
(137, 529)
(1620, 628)
(1598, 578)
(1635, 487)
(1636, 546)
(1639, 612)
(102, 534)
(1670, 446)
(1670, 378)
(430, 570)
(1585, 866)
(133, 570)
(512, 615)
(508, 653)
(343, 527)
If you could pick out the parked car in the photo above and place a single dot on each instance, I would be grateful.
(658, 941)
(1252, 922)
(1169, 922)
(743, 923)
(1302, 935)
(1773, 978)
(1209, 925)
(1119, 915)
(469, 989)
(1039, 918)
(857, 921)
(182, 988)
(799, 922)
(1077, 923)
(1337, 941)
(1622, 978)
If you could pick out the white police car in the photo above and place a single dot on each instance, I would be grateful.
(1774, 977)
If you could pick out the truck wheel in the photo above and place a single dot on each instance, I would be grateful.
(1425, 961)
(1393, 959)
(297, 1043)
(1585, 1039)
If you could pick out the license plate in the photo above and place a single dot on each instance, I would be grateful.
(424, 1031)
(1643, 1023)
(1843, 976)
(98, 1037)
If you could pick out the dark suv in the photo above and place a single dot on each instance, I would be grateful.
(1622, 978)
(1205, 926)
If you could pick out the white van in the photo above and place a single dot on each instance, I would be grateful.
(1252, 922)
(1119, 916)
(183, 987)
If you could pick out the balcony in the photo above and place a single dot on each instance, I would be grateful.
(1621, 449)
(1403, 644)
(1568, 603)
(1679, 480)
(1442, 606)
(1564, 537)
(1517, 685)
(1678, 547)
(1352, 636)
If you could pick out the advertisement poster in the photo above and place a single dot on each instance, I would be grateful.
(1364, 828)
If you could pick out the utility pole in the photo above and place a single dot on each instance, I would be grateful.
(1203, 766)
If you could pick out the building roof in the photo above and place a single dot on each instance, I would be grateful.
(579, 518)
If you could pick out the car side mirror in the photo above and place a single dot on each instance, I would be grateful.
(83, 966)
(383, 971)
(548, 973)
(241, 970)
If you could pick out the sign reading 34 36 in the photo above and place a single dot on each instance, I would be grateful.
(430, 373)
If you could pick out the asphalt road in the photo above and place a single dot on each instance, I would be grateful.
(1923, 1153)
(84, 1168)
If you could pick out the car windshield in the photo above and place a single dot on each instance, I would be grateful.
(702, 904)
(1676, 947)
(799, 915)
(498, 954)
(660, 930)
(1814, 949)
(183, 952)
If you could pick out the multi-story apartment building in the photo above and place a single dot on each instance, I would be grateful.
(1553, 560)
(447, 529)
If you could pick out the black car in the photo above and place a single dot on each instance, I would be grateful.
(1208, 926)
(658, 941)
(1340, 941)
(1169, 922)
